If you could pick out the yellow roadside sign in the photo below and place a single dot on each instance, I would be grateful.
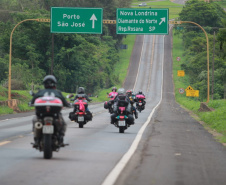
(189, 88)
(180, 73)
(194, 93)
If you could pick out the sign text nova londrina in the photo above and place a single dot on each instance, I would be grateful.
(142, 21)
(76, 20)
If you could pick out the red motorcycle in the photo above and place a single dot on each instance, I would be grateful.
(80, 115)
(48, 124)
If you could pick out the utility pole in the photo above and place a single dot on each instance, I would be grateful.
(213, 64)
(52, 54)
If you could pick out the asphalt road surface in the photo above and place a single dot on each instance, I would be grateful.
(165, 146)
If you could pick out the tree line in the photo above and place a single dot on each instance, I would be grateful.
(213, 19)
(78, 59)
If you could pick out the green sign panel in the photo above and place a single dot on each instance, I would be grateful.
(76, 20)
(142, 21)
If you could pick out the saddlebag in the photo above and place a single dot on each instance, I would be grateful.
(72, 116)
(106, 105)
(89, 116)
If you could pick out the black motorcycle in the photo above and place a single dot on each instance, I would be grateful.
(48, 125)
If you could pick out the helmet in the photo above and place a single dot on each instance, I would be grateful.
(49, 82)
(129, 92)
(121, 91)
(114, 88)
(81, 90)
(140, 92)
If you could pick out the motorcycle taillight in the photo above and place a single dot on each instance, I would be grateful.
(139, 101)
(48, 120)
(80, 113)
(121, 117)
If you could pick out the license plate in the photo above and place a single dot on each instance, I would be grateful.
(47, 129)
(140, 103)
(122, 123)
(81, 118)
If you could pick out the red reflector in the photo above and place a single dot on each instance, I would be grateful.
(48, 123)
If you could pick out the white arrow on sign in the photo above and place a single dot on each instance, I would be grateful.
(93, 18)
(162, 20)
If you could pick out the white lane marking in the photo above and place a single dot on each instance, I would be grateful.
(4, 142)
(114, 174)
(152, 58)
(139, 63)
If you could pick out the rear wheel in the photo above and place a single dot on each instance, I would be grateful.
(80, 125)
(121, 129)
(47, 148)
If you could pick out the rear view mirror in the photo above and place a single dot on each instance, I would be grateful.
(31, 93)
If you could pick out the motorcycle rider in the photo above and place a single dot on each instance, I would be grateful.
(141, 93)
(49, 82)
(122, 96)
(81, 94)
(112, 95)
(132, 98)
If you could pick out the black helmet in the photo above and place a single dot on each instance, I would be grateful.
(140, 92)
(81, 90)
(49, 82)
(121, 91)
(114, 88)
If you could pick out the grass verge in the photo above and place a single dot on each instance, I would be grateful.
(214, 121)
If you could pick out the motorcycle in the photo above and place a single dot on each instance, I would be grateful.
(109, 104)
(121, 119)
(79, 114)
(48, 125)
(140, 102)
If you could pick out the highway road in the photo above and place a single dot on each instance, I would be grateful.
(165, 146)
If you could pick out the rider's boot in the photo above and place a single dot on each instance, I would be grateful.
(136, 114)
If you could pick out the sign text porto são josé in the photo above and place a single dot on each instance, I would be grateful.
(76, 20)
(142, 21)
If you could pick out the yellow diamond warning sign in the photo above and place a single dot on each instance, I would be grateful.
(189, 88)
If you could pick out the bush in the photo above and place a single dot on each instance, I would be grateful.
(15, 84)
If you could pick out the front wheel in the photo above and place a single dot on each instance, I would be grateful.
(47, 148)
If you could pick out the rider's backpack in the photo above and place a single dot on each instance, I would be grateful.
(122, 101)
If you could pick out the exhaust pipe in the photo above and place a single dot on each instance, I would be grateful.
(38, 125)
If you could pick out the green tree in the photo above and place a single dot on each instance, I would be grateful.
(203, 13)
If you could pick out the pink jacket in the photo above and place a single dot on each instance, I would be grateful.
(114, 94)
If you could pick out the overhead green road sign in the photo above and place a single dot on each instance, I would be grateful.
(142, 21)
(76, 20)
